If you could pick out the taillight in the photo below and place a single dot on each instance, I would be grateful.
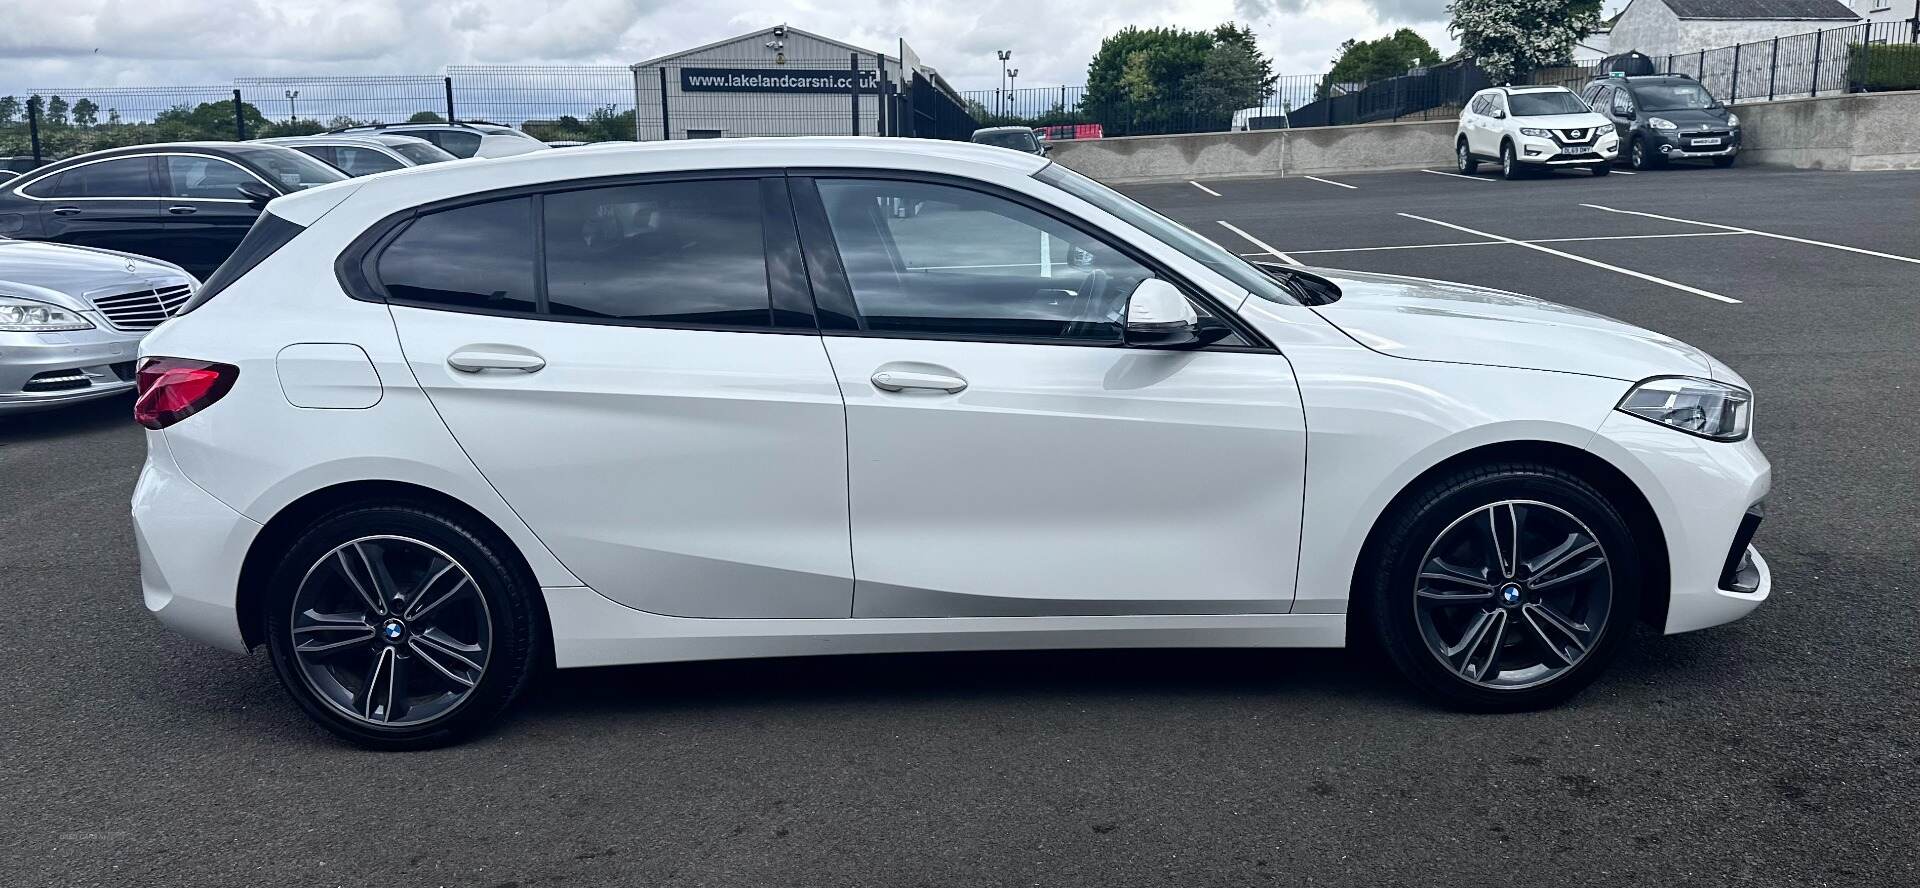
(172, 389)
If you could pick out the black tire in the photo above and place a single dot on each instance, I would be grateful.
(1601, 169)
(1408, 597)
(1510, 168)
(1463, 158)
(1640, 157)
(497, 607)
(1724, 162)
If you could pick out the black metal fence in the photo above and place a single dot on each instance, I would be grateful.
(864, 95)
(1868, 57)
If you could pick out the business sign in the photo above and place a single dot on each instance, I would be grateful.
(775, 80)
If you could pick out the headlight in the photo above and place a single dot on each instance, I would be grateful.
(1661, 123)
(1695, 406)
(1536, 133)
(27, 316)
(1733, 119)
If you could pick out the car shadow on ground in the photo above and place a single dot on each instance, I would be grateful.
(61, 422)
(1088, 676)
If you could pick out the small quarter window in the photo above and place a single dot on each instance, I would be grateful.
(472, 257)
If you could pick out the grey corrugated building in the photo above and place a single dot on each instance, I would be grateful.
(777, 81)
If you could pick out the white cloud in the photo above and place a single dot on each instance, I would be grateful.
(176, 42)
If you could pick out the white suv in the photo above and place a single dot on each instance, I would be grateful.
(1534, 126)
(477, 139)
(773, 397)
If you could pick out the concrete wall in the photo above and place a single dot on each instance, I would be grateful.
(1864, 131)
(1313, 151)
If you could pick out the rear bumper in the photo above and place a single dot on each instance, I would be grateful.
(191, 548)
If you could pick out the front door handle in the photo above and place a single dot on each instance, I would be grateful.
(183, 210)
(474, 360)
(902, 380)
(66, 211)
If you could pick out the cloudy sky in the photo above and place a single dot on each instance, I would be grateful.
(69, 43)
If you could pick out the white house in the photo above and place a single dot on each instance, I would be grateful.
(1877, 11)
(1674, 27)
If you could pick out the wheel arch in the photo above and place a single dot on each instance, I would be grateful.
(295, 517)
(1613, 483)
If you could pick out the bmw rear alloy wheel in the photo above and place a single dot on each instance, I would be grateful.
(401, 627)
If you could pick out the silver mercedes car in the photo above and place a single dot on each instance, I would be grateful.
(71, 320)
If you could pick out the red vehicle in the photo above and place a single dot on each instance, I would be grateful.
(1069, 131)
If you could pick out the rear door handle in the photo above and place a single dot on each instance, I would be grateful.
(183, 210)
(902, 380)
(474, 360)
(66, 211)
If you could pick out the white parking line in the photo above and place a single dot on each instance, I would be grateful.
(1457, 176)
(1529, 240)
(1738, 230)
(1263, 245)
(1624, 173)
(1580, 259)
(1331, 182)
(1203, 188)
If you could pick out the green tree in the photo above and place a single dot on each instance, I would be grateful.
(9, 109)
(1511, 38)
(426, 117)
(85, 112)
(1364, 61)
(56, 111)
(1156, 80)
(207, 120)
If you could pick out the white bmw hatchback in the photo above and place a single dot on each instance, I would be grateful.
(430, 430)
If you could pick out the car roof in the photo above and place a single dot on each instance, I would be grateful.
(1003, 129)
(218, 148)
(323, 139)
(396, 139)
(442, 181)
(1516, 90)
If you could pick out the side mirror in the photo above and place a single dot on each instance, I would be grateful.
(256, 194)
(1499, 114)
(1159, 315)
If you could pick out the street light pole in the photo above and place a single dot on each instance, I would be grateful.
(291, 95)
(1004, 55)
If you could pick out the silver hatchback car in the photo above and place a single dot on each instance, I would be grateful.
(71, 320)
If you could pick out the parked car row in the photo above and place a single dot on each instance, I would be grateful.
(1647, 119)
(125, 235)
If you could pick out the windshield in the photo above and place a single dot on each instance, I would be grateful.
(1018, 140)
(1541, 104)
(1674, 97)
(287, 168)
(420, 152)
(1168, 232)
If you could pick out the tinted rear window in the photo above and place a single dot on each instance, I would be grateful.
(671, 253)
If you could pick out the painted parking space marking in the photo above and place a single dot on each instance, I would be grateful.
(1738, 230)
(1265, 248)
(1527, 240)
(1203, 188)
(1580, 259)
(1331, 182)
(1457, 176)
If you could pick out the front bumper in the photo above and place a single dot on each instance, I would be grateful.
(191, 548)
(1680, 145)
(40, 370)
(1547, 152)
(1702, 492)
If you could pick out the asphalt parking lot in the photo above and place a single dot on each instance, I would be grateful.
(1778, 750)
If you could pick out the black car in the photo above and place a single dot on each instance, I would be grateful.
(180, 203)
(1664, 117)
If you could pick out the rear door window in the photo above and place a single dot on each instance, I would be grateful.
(122, 177)
(668, 253)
